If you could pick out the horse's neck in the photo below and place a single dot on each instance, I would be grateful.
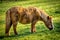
(43, 15)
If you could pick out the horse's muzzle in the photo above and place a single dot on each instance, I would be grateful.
(50, 28)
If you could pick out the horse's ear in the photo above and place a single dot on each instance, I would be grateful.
(49, 17)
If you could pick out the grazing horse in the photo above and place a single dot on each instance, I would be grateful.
(26, 16)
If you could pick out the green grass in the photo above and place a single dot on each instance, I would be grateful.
(52, 7)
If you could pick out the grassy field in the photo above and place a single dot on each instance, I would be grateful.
(52, 7)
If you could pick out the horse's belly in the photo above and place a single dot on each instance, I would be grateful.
(25, 21)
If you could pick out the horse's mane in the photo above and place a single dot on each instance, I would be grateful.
(43, 15)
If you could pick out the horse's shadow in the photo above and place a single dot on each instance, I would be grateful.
(26, 32)
(1, 37)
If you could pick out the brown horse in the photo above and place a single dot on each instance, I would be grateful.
(25, 16)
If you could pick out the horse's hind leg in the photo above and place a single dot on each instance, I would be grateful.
(14, 27)
(8, 26)
(14, 22)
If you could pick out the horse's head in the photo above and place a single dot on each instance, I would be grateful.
(49, 23)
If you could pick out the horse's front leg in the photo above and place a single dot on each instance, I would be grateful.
(33, 28)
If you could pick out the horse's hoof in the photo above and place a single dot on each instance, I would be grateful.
(7, 35)
(33, 31)
(16, 33)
